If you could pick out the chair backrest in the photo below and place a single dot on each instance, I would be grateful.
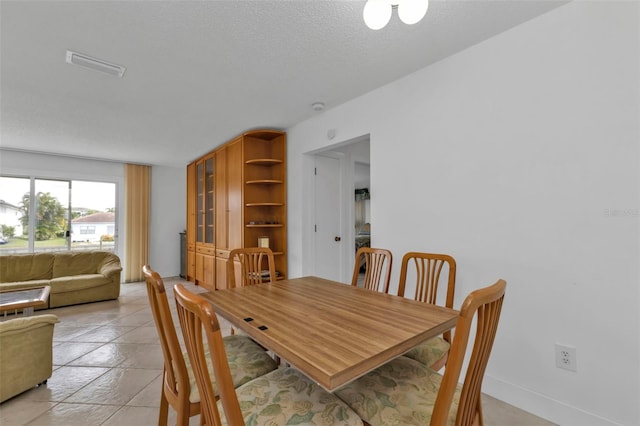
(485, 305)
(428, 274)
(253, 261)
(176, 377)
(196, 315)
(377, 263)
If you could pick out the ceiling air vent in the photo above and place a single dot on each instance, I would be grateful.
(94, 63)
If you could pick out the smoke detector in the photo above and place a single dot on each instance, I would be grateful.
(317, 106)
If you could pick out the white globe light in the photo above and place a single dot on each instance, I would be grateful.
(412, 11)
(377, 13)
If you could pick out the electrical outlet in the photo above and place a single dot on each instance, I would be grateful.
(566, 357)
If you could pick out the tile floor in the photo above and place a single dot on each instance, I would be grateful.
(107, 368)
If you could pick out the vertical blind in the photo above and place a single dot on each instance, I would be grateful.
(137, 211)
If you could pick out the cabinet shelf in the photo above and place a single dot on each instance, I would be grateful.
(264, 161)
(265, 225)
(264, 182)
(263, 204)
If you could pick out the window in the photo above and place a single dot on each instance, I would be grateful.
(87, 230)
(39, 215)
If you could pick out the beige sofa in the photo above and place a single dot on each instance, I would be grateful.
(74, 277)
(26, 358)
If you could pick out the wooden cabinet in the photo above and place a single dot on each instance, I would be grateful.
(236, 195)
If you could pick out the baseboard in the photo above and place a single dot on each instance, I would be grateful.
(541, 405)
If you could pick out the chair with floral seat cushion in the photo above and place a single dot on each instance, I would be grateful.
(377, 268)
(430, 272)
(247, 360)
(406, 392)
(284, 396)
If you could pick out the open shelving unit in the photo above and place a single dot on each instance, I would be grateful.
(265, 192)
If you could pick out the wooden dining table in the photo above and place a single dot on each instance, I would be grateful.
(331, 332)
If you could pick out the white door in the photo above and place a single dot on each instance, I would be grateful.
(329, 242)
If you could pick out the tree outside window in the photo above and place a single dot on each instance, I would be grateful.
(50, 216)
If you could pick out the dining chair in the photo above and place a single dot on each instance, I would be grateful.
(248, 360)
(431, 272)
(377, 268)
(284, 396)
(252, 266)
(403, 390)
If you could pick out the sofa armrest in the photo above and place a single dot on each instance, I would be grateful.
(24, 323)
(110, 270)
(110, 266)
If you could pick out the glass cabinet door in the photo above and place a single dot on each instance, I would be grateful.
(209, 201)
(200, 210)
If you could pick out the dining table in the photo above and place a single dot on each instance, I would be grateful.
(330, 331)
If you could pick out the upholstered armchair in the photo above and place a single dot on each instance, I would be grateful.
(26, 353)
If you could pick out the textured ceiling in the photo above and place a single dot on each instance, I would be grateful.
(201, 72)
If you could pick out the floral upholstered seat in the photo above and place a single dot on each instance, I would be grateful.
(287, 397)
(432, 353)
(401, 392)
(247, 360)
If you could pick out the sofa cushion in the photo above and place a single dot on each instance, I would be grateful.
(26, 267)
(77, 263)
(431, 353)
(77, 282)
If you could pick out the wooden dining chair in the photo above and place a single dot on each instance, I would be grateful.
(377, 268)
(257, 265)
(284, 396)
(430, 273)
(404, 390)
(248, 360)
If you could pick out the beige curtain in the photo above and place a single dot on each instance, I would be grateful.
(137, 211)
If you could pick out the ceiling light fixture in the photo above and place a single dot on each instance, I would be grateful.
(94, 63)
(377, 13)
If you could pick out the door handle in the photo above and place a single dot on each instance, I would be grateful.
(337, 238)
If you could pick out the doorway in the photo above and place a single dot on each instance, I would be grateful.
(339, 171)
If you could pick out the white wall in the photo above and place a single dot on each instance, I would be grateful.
(168, 218)
(168, 195)
(520, 157)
